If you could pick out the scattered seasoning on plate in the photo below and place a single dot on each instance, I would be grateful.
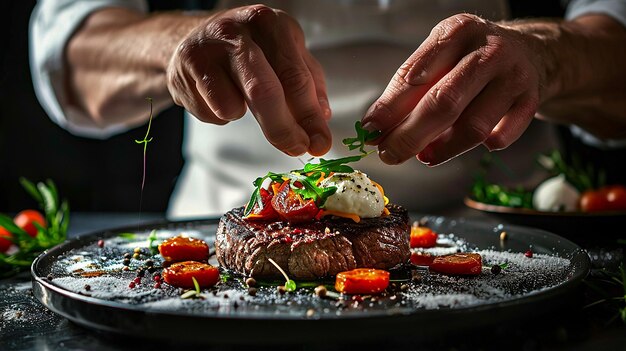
(100, 243)
(496, 269)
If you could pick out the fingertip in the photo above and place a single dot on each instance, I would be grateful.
(325, 108)
(319, 144)
(388, 157)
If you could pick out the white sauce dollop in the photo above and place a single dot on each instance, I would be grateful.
(355, 194)
(556, 194)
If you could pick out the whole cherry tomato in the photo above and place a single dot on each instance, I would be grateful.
(180, 274)
(362, 281)
(180, 248)
(607, 198)
(26, 219)
(616, 197)
(593, 201)
(4, 242)
(423, 237)
(458, 264)
(291, 207)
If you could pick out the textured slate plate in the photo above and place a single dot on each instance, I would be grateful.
(89, 287)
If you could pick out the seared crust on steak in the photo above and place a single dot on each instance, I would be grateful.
(312, 250)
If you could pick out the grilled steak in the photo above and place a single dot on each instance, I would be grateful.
(312, 250)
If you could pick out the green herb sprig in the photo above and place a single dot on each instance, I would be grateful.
(311, 172)
(57, 218)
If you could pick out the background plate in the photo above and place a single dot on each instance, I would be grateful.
(582, 227)
(434, 305)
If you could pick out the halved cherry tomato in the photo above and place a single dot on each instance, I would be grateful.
(179, 274)
(607, 198)
(26, 219)
(267, 213)
(423, 237)
(291, 207)
(180, 248)
(4, 242)
(458, 264)
(362, 281)
(422, 258)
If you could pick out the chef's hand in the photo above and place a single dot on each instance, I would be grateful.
(254, 56)
(471, 82)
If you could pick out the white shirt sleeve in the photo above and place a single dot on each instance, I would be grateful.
(613, 8)
(52, 23)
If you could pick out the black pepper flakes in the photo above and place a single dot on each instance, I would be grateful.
(496, 269)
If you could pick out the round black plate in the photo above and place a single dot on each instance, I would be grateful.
(300, 316)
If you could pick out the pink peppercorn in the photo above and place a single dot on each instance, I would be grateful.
(528, 254)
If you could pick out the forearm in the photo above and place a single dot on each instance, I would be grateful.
(114, 64)
(581, 63)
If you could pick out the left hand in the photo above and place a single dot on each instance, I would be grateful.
(471, 82)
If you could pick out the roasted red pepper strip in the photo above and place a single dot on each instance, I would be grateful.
(181, 248)
(291, 207)
(458, 264)
(180, 274)
(423, 237)
(362, 281)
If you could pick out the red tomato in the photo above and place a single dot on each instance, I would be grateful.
(180, 248)
(4, 242)
(422, 258)
(362, 281)
(180, 274)
(593, 201)
(423, 237)
(616, 197)
(458, 264)
(26, 220)
(607, 198)
(291, 207)
(267, 213)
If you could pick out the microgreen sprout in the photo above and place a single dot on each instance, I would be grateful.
(290, 285)
(192, 293)
(145, 142)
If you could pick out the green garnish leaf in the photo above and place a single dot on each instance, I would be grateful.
(362, 137)
(127, 236)
(188, 294)
(151, 241)
(196, 285)
(290, 285)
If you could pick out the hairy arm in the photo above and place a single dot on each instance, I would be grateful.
(474, 82)
(585, 74)
(118, 57)
(214, 65)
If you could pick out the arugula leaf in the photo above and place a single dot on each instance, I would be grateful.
(362, 137)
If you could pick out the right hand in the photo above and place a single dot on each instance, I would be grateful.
(254, 56)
